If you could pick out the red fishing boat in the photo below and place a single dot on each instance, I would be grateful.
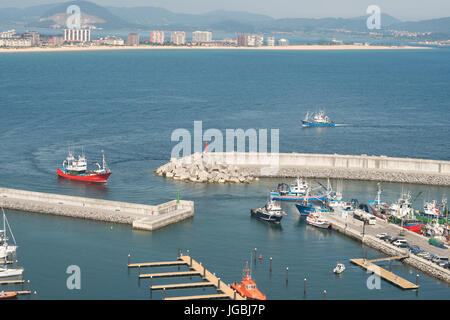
(75, 168)
(247, 288)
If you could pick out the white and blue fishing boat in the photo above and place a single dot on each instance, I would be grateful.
(298, 191)
(318, 119)
(271, 212)
(305, 208)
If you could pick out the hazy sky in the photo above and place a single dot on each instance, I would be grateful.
(402, 9)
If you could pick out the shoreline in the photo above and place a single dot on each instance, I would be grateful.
(148, 47)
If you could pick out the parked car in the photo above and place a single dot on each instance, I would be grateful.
(382, 235)
(423, 254)
(401, 243)
(387, 238)
(414, 249)
(396, 239)
(435, 258)
(443, 261)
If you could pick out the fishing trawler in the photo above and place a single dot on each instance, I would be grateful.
(271, 212)
(318, 119)
(247, 288)
(379, 209)
(298, 191)
(402, 213)
(75, 168)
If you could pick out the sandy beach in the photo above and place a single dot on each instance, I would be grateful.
(148, 47)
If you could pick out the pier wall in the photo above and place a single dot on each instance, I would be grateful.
(140, 216)
(346, 227)
(245, 167)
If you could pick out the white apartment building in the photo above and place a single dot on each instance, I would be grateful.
(255, 40)
(113, 41)
(270, 41)
(81, 35)
(178, 37)
(15, 43)
(201, 36)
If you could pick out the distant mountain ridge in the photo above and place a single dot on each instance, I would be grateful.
(146, 18)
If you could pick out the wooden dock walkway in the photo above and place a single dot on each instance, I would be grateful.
(183, 285)
(156, 264)
(11, 282)
(387, 275)
(195, 269)
(201, 297)
(170, 274)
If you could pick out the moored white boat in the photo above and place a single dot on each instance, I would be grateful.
(316, 220)
(10, 273)
(339, 268)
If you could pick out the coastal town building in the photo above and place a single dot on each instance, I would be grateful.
(34, 37)
(157, 37)
(201, 36)
(250, 40)
(178, 37)
(15, 43)
(77, 35)
(56, 41)
(283, 42)
(112, 41)
(8, 34)
(133, 39)
(270, 41)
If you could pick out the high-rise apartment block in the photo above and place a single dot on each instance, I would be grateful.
(157, 37)
(178, 37)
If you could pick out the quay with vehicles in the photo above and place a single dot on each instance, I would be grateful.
(396, 231)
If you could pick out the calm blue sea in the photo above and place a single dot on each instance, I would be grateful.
(127, 103)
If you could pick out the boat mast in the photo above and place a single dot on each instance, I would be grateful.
(6, 223)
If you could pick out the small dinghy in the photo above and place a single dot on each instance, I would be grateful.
(339, 268)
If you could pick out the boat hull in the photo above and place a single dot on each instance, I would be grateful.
(257, 213)
(318, 225)
(314, 124)
(95, 178)
(289, 197)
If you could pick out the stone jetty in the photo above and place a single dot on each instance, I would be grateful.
(238, 167)
(140, 216)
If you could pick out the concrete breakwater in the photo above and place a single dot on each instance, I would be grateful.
(140, 216)
(239, 167)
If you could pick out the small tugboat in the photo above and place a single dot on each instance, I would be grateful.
(247, 288)
(318, 119)
(271, 212)
(339, 268)
(75, 168)
(298, 191)
(8, 295)
(316, 220)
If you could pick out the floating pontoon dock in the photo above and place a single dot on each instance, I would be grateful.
(195, 269)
